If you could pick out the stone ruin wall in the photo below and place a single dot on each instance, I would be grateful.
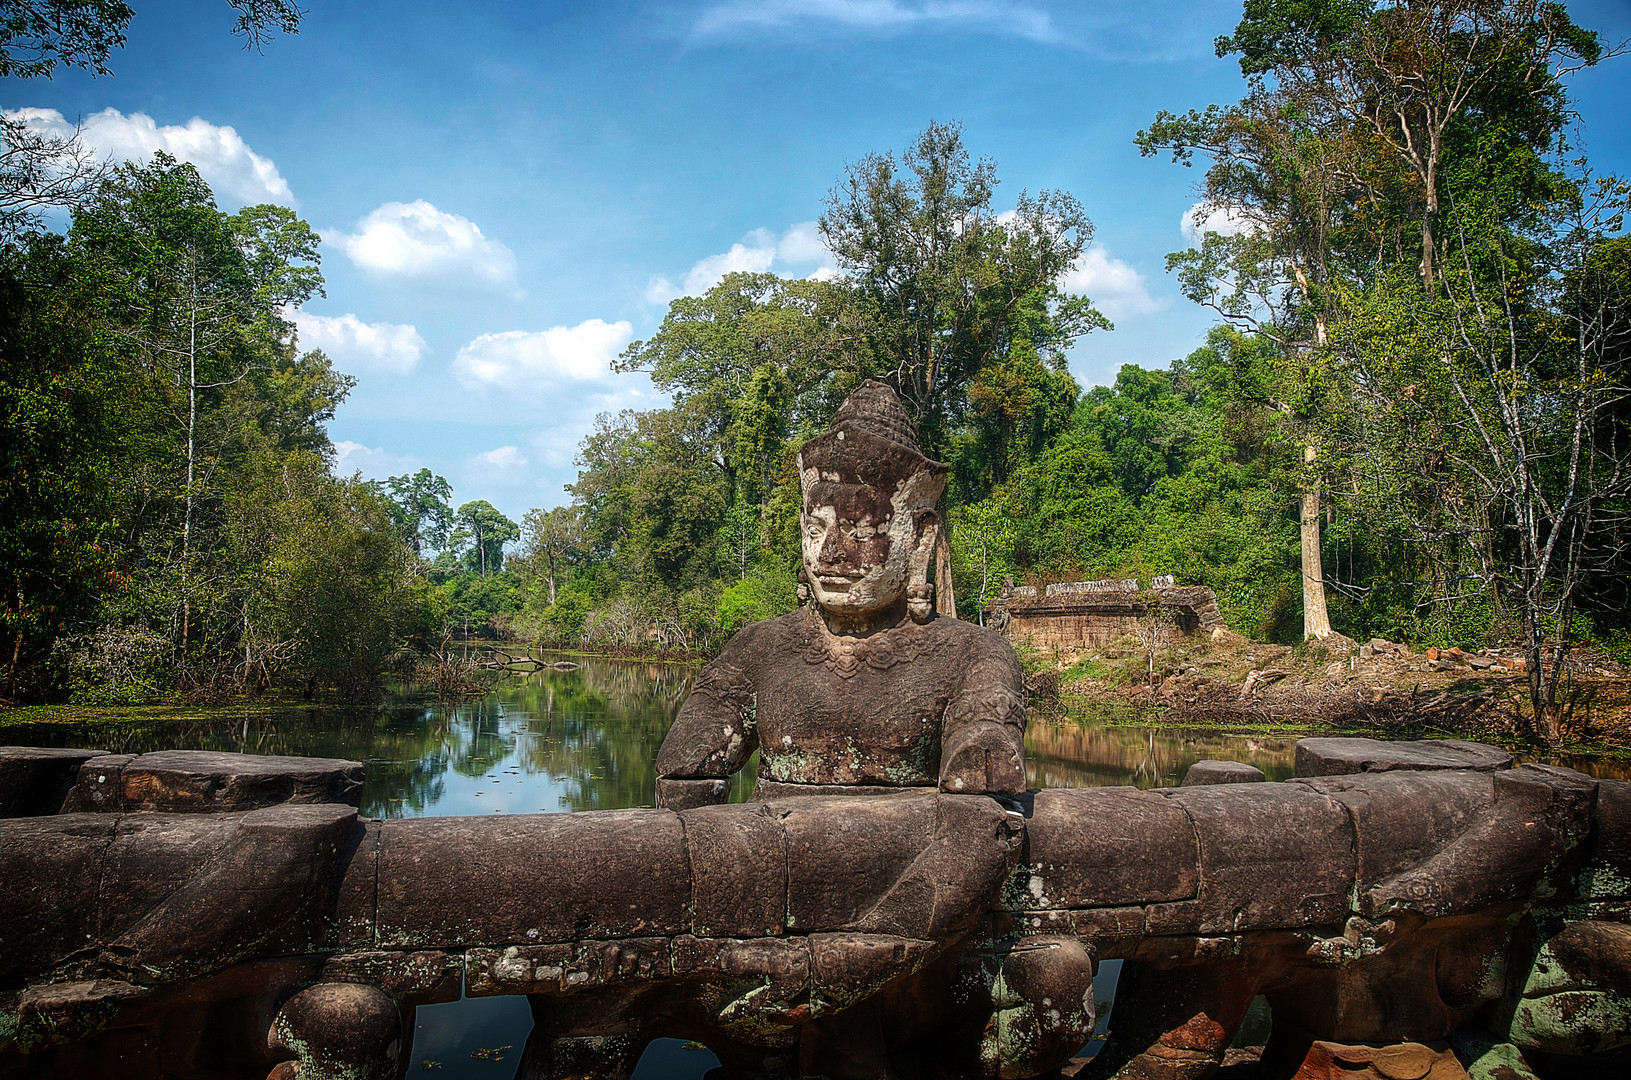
(1097, 614)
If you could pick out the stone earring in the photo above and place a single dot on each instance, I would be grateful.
(920, 602)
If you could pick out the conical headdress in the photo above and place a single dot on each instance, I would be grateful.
(873, 442)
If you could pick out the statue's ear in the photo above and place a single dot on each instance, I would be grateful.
(928, 534)
(919, 593)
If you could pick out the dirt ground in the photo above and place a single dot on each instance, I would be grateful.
(1347, 685)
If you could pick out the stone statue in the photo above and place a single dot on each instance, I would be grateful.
(865, 688)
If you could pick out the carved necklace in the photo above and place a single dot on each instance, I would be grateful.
(844, 656)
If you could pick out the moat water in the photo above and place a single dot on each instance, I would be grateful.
(586, 739)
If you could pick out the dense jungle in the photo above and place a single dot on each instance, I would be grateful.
(1409, 421)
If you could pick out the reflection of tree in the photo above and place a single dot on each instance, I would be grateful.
(597, 729)
(1094, 755)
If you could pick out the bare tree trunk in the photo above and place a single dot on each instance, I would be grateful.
(192, 426)
(1316, 620)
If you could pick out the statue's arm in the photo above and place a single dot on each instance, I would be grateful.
(711, 739)
(982, 746)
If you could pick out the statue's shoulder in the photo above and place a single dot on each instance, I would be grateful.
(978, 640)
(758, 640)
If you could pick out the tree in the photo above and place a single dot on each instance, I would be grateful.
(197, 297)
(755, 359)
(486, 530)
(552, 539)
(36, 36)
(40, 172)
(1513, 383)
(421, 510)
(944, 279)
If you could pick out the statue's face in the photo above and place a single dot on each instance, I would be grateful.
(857, 549)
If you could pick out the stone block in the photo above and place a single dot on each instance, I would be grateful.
(412, 978)
(340, 1030)
(921, 863)
(738, 858)
(555, 969)
(50, 869)
(1604, 879)
(1403, 820)
(98, 787)
(153, 855)
(845, 968)
(1205, 773)
(1367, 1061)
(1536, 816)
(267, 891)
(1104, 847)
(201, 781)
(1343, 757)
(34, 780)
(1272, 856)
(543, 878)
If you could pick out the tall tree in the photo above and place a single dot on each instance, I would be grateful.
(421, 510)
(944, 278)
(486, 530)
(551, 539)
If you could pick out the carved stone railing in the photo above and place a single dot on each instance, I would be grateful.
(1400, 905)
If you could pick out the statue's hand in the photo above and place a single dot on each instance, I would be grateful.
(983, 758)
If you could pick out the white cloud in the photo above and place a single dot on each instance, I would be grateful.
(392, 348)
(517, 359)
(375, 463)
(219, 153)
(505, 457)
(759, 251)
(881, 17)
(1114, 287)
(417, 240)
(1202, 218)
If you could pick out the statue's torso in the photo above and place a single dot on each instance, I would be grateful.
(829, 710)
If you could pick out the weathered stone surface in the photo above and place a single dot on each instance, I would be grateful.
(1271, 856)
(1537, 816)
(284, 857)
(413, 978)
(1039, 1006)
(98, 786)
(543, 879)
(202, 781)
(1173, 1025)
(340, 1031)
(915, 865)
(1343, 757)
(545, 969)
(1576, 996)
(152, 855)
(1399, 1061)
(688, 794)
(1205, 773)
(1604, 879)
(50, 870)
(64, 1012)
(738, 860)
(844, 968)
(356, 900)
(1404, 820)
(1104, 847)
(35, 779)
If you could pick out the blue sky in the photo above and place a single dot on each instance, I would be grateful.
(510, 193)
